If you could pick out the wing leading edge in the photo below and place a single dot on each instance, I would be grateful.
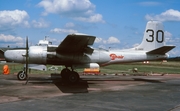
(76, 44)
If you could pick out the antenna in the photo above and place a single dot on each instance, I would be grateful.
(45, 38)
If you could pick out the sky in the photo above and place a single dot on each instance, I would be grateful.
(118, 24)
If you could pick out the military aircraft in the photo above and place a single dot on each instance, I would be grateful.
(76, 51)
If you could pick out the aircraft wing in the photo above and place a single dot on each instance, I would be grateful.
(76, 44)
(161, 50)
(37, 67)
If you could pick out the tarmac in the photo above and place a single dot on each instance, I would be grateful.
(93, 92)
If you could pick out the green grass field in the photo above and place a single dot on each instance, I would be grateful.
(170, 67)
(152, 67)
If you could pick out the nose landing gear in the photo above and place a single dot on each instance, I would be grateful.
(21, 75)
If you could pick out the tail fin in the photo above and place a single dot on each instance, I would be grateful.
(153, 36)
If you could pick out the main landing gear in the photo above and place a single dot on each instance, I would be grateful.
(69, 76)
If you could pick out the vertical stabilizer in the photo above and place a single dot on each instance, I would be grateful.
(153, 36)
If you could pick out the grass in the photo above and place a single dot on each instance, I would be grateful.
(152, 67)
(171, 67)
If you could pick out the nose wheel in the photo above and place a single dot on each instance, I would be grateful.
(69, 76)
(21, 75)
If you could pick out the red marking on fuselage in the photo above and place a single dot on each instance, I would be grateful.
(114, 56)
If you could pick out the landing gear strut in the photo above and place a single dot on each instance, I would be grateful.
(69, 76)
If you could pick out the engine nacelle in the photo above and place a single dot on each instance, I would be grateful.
(38, 54)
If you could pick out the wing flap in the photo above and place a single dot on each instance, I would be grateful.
(88, 50)
(76, 44)
(161, 50)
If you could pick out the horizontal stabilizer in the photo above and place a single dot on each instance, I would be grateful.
(161, 50)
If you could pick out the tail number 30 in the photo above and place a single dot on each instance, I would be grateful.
(159, 36)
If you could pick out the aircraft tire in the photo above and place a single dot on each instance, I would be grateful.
(73, 77)
(65, 74)
(21, 75)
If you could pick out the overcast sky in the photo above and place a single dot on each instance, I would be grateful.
(115, 23)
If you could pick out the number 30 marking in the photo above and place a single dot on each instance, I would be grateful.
(159, 36)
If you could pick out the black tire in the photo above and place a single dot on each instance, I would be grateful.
(73, 77)
(21, 75)
(65, 73)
